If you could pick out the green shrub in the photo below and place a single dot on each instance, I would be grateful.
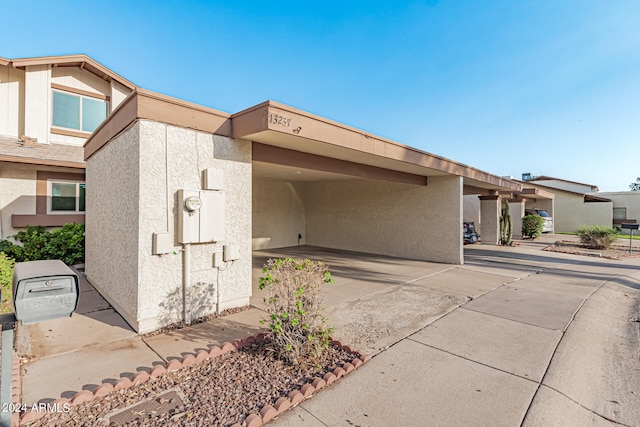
(6, 278)
(66, 244)
(532, 226)
(293, 288)
(597, 236)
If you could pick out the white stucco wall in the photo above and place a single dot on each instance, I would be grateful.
(11, 101)
(624, 199)
(112, 222)
(278, 214)
(164, 159)
(490, 210)
(570, 212)
(409, 221)
(17, 194)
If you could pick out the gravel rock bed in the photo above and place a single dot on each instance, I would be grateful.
(219, 392)
(576, 248)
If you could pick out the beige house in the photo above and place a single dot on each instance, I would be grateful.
(626, 205)
(182, 194)
(49, 107)
(576, 204)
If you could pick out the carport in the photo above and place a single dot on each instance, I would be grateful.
(324, 184)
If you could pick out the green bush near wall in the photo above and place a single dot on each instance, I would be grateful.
(532, 226)
(66, 244)
(6, 276)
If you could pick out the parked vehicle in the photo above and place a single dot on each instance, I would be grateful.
(469, 235)
(548, 221)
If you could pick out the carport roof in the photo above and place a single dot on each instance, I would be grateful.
(281, 127)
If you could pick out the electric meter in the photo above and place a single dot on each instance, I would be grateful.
(192, 203)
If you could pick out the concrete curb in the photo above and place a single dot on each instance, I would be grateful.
(267, 413)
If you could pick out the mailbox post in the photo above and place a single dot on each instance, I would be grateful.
(42, 290)
(630, 227)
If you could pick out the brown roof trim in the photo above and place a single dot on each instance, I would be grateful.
(308, 126)
(543, 194)
(553, 189)
(590, 198)
(4, 61)
(74, 60)
(550, 178)
(144, 104)
(44, 162)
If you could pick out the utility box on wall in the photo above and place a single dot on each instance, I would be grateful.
(201, 216)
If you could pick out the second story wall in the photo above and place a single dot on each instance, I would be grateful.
(11, 101)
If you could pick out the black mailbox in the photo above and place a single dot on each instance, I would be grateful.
(44, 290)
(629, 226)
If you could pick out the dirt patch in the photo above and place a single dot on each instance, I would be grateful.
(577, 248)
(218, 392)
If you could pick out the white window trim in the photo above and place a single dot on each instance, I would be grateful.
(79, 129)
(50, 183)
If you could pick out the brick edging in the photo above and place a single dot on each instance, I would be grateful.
(266, 414)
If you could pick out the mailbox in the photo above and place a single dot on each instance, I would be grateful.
(629, 226)
(44, 290)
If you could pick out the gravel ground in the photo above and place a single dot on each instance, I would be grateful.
(219, 392)
(571, 247)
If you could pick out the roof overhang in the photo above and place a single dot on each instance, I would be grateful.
(143, 104)
(4, 61)
(278, 125)
(82, 61)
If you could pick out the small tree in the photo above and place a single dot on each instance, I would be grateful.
(505, 225)
(293, 288)
(532, 226)
(635, 186)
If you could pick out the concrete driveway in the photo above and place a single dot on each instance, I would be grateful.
(515, 336)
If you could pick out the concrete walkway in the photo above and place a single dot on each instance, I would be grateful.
(514, 336)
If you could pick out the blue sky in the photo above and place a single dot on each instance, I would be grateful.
(549, 87)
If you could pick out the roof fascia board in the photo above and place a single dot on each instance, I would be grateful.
(299, 123)
(550, 178)
(70, 59)
(4, 61)
(143, 104)
(43, 162)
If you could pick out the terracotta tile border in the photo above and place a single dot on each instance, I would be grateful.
(266, 414)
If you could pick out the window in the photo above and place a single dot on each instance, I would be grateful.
(619, 213)
(78, 112)
(66, 197)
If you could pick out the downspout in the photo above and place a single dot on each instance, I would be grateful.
(186, 279)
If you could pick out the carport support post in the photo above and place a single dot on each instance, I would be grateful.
(490, 218)
(516, 208)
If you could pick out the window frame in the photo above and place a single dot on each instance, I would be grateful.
(78, 184)
(81, 97)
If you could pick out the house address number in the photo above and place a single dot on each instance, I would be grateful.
(277, 119)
